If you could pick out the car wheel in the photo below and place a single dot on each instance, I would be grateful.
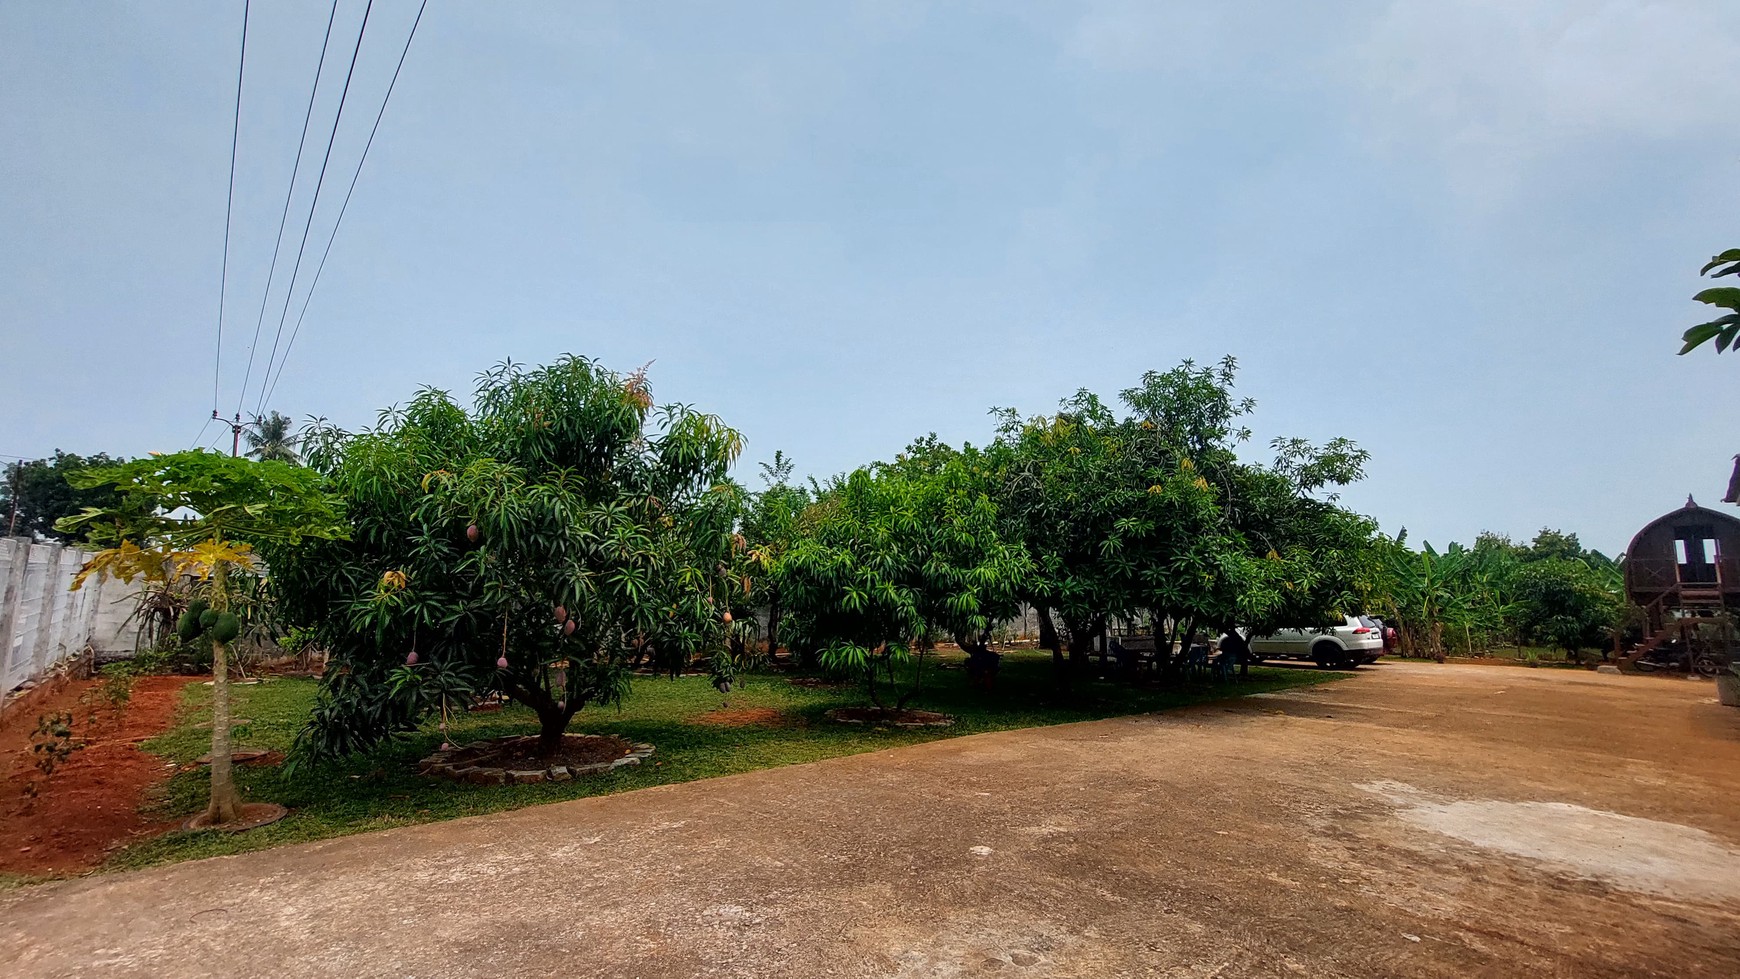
(1328, 655)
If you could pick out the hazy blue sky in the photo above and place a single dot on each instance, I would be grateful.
(1462, 233)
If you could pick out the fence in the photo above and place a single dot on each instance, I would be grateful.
(42, 621)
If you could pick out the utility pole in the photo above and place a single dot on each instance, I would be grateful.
(235, 425)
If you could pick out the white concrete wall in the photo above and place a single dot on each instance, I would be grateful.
(42, 621)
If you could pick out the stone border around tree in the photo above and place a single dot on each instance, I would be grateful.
(440, 764)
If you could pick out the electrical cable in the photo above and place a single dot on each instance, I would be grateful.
(229, 208)
(289, 193)
(315, 282)
(314, 205)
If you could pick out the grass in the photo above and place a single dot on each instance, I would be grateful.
(11, 881)
(383, 790)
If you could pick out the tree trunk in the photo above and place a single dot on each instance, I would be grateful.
(1048, 639)
(1081, 644)
(773, 614)
(552, 725)
(917, 676)
(225, 805)
(553, 716)
(982, 663)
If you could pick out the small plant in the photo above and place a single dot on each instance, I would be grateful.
(51, 744)
(114, 689)
(300, 642)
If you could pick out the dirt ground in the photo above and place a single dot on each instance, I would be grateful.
(89, 805)
(1418, 820)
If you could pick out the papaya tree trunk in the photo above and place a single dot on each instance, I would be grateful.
(225, 805)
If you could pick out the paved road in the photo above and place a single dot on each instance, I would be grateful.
(1415, 821)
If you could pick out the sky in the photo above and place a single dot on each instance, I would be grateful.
(1463, 234)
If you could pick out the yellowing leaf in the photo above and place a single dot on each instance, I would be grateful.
(203, 558)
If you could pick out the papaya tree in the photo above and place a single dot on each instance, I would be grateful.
(203, 514)
(538, 544)
(1723, 329)
(887, 560)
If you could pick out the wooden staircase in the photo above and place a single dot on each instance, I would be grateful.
(1658, 628)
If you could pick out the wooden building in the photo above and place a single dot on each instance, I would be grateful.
(1683, 564)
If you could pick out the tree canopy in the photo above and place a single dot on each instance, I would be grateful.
(1154, 516)
(892, 557)
(536, 544)
(37, 493)
(271, 437)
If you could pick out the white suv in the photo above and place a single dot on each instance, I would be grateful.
(1355, 641)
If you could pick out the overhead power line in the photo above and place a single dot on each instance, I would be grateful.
(314, 205)
(229, 208)
(315, 282)
(283, 217)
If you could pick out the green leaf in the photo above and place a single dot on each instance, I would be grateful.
(1703, 332)
(1727, 297)
(1729, 256)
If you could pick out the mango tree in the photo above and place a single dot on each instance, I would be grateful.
(536, 545)
(1065, 490)
(1566, 604)
(887, 560)
(1153, 515)
(203, 514)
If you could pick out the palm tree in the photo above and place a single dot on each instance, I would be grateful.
(269, 438)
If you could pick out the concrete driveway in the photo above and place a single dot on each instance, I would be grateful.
(1414, 821)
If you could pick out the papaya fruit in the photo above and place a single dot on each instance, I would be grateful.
(187, 626)
(197, 605)
(207, 617)
(226, 627)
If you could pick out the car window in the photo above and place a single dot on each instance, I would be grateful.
(1368, 622)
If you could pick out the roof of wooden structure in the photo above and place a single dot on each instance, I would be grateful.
(1690, 511)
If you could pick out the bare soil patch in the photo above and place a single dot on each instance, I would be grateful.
(1644, 855)
(890, 717)
(89, 806)
(577, 750)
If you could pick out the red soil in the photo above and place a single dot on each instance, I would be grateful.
(89, 806)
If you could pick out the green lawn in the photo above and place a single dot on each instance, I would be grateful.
(383, 789)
